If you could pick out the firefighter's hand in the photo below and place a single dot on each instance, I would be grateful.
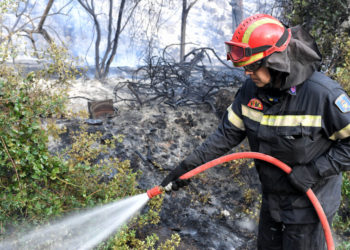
(172, 181)
(178, 183)
(304, 177)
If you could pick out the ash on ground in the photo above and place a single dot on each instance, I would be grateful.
(219, 209)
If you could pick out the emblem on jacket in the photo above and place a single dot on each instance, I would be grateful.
(255, 104)
(343, 103)
(293, 90)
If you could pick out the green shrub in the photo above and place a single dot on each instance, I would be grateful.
(37, 186)
(28, 185)
(127, 240)
(344, 245)
(342, 73)
(323, 25)
(342, 219)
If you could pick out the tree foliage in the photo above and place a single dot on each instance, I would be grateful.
(325, 20)
(25, 26)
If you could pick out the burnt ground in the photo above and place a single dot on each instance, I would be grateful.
(218, 210)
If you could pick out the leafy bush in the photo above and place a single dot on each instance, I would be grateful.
(324, 25)
(26, 165)
(342, 219)
(342, 73)
(127, 240)
(35, 185)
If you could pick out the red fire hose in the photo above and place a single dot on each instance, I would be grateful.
(254, 155)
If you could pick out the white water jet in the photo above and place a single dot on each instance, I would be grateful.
(81, 231)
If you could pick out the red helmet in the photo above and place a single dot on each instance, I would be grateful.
(257, 37)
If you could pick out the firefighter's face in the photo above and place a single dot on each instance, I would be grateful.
(260, 77)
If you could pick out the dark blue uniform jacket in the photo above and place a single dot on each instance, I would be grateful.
(306, 124)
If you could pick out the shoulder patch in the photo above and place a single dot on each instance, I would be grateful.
(343, 103)
(255, 104)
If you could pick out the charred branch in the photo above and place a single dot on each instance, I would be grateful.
(192, 82)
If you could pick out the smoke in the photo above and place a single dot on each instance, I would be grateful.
(209, 24)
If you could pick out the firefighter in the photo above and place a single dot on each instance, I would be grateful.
(291, 111)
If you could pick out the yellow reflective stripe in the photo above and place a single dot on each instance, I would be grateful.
(234, 119)
(341, 134)
(282, 120)
(256, 24)
(255, 57)
(292, 120)
(252, 113)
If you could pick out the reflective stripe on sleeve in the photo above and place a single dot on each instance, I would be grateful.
(341, 134)
(234, 119)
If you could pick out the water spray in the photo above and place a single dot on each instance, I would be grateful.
(259, 156)
(82, 230)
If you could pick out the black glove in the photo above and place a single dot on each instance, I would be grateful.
(304, 177)
(178, 183)
(173, 177)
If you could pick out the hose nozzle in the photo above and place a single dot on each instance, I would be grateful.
(154, 191)
(158, 190)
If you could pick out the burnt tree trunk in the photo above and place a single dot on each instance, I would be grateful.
(237, 13)
(184, 15)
